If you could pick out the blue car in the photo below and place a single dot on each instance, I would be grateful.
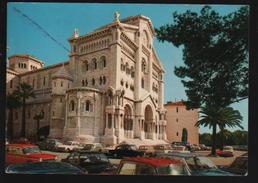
(196, 164)
(44, 168)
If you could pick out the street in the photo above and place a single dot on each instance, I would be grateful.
(215, 160)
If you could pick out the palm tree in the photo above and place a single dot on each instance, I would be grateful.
(25, 91)
(213, 116)
(38, 117)
(13, 101)
(231, 118)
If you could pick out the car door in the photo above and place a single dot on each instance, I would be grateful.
(144, 169)
(71, 158)
(15, 155)
(127, 168)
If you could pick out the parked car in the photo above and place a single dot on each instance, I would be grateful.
(150, 166)
(195, 147)
(20, 153)
(44, 168)
(196, 164)
(49, 144)
(181, 149)
(163, 148)
(125, 150)
(68, 146)
(92, 162)
(238, 166)
(227, 151)
(147, 149)
(203, 147)
(96, 147)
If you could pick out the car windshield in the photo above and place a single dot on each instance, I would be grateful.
(28, 150)
(88, 146)
(172, 169)
(68, 143)
(133, 147)
(44, 167)
(199, 163)
(179, 148)
(143, 148)
(93, 158)
(228, 148)
(159, 147)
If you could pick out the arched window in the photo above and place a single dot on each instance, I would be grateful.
(103, 61)
(72, 105)
(104, 80)
(142, 83)
(25, 65)
(88, 106)
(93, 81)
(86, 82)
(122, 65)
(100, 80)
(86, 65)
(94, 61)
(109, 120)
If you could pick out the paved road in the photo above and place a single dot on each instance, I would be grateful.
(216, 160)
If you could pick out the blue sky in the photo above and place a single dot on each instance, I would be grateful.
(60, 19)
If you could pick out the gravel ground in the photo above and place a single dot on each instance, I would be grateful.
(216, 160)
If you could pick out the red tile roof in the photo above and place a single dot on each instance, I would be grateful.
(177, 103)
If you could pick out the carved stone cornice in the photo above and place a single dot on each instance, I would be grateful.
(92, 36)
(145, 50)
(128, 41)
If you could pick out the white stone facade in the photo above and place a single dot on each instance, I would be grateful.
(110, 89)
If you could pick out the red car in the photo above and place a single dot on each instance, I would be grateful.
(228, 151)
(151, 166)
(21, 153)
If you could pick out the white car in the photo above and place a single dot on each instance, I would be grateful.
(228, 149)
(67, 146)
(96, 147)
(180, 149)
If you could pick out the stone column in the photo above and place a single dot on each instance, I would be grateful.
(78, 114)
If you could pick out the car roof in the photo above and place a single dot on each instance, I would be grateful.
(156, 162)
(21, 145)
(178, 154)
(43, 166)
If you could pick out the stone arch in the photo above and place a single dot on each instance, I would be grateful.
(145, 38)
(128, 119)
(148, 120)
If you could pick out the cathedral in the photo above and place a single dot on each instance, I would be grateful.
(111, 89)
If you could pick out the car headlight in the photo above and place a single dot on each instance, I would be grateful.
(40, 159)
(56, 158)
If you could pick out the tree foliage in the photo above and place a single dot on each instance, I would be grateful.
(24, 91)
(215, 54)
(238, 137)
(13, 101)
(222, 117)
